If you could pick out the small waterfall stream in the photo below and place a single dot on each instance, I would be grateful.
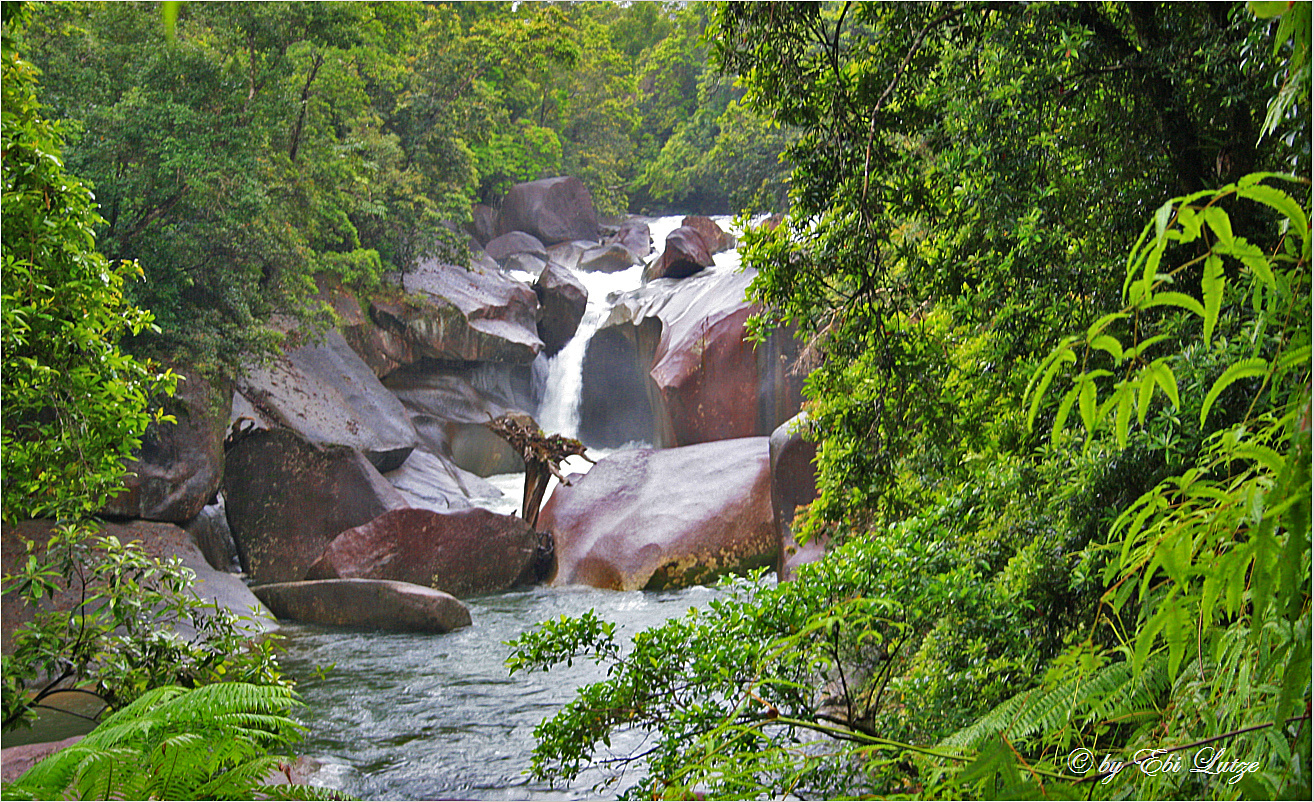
(401, 716)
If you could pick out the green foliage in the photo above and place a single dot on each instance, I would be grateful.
(133, 624)
(74, 404)
(213, 742)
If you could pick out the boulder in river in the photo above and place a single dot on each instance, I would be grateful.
(686, 253)
(714, 237)
(464, 553)
(653, 519)
(635, 236)
(553, 209)
(562, 300)
(327, 394)
(793, 485)
(178, 467)
(367, 604)
(286, 499)
(514, 242)
(607, 259)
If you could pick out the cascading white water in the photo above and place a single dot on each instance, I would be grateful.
(559, 410)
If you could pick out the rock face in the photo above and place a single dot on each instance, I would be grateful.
(179, 465)
(652, 519)
(607, 259)
(159, 540)
(553, 209)
(516, 242)
(367, 604)
(561, 302)
(483, 223)
(287, 499)
(432, 482)
(793, 484)
(686, 253)
(330, 397)
(463, 553)
(714, 237)
(215, 540)
(465, 315)
(681, 346)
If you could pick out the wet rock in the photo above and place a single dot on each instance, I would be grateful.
(567, 254)
(553, 209)
(793, 485)
(329, 396)
(562, 299)
(686, 253)
(463, 553)
(287, 498)
(516, 242)
(635, 236)
(432, 482)
(607, 259)
(158, 539)
(465, 315)
(366, 604)
(179, 465)
(714, 237)
(681, 345)
(652, 519)
(213, 537)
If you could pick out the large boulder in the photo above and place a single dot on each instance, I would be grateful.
(451, 405)
(328, 395)
(178, 467)
(483, 223)
(367, 604)
(608, 258)
(653, 519)
(463, 553)
(567, 254)
(716, 238)
(516, 242)
(682, 347)
(158, 539)
(286, 499)
(454, 313)
(686, 253)
(562, 300)
(434, 482)
(793, 485)
(635, 236)
(552, 209)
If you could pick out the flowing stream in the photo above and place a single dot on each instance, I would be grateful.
(400, 716)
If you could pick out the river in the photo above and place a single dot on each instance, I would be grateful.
(399, 716)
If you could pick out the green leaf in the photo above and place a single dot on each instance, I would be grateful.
(1061, 356)
(1220, 224)
(1179, 299)
(1086, 405)
(1267, 10)
(1164, 376)
(1162, 217)
(1101, 324)
(1282, 202)
(1211, 285)
(1244, 369)
(1106, 343)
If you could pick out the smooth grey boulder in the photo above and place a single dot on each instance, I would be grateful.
(607, 259)
(286, 499)
(562, 299)
(652, 519)
(329, 396)
(432, 482)
(553, 209)
(366, 604)
(516, 242)
(567, 254)
(635, 236)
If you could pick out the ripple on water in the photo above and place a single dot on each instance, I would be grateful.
(406, 716)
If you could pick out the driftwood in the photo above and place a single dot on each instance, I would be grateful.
(542, 454)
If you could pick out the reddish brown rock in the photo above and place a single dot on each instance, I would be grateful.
(714, 237)
(562, 300)
(685, 254)
(463, 553)
(287, 499)
(179, 465)
(652, 519)
(552, 209)
(367, 604)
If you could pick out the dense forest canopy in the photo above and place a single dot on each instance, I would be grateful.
(265, 143)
